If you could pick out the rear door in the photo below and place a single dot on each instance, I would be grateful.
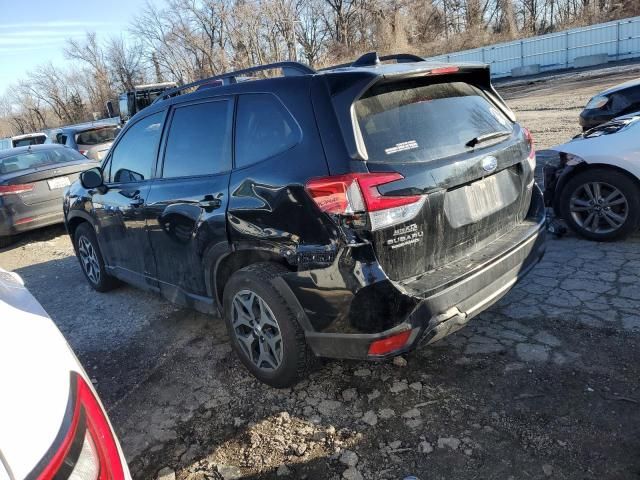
(188, 201)
(458, 152)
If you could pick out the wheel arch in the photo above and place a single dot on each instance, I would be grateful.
(220, 270)
(75, 220)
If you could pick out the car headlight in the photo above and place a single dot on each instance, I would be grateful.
(597, 102)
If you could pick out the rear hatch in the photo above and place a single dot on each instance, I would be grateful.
(41, 176)
(459, 170)
(95, 143)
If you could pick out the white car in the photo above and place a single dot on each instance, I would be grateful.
(52, 424)
(595, 186)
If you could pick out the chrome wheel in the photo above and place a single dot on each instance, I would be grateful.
(599, 207)
(89, 259)
(257, 330)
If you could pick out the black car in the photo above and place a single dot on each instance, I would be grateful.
(32, 180)
(353, 213)
(614, 102)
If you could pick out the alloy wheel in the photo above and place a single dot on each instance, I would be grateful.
(257, 330)
(89, 259)
(599, 207)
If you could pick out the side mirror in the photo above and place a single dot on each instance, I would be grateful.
(91, 178)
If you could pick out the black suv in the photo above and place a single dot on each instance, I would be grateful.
(352, 213)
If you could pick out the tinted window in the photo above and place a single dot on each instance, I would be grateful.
(134, 156)
(411, 121)
(39, 158)
(199, 141)
(264, 128)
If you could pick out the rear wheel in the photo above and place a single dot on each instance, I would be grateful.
(91, 261)
(263, 328)
(601, 204)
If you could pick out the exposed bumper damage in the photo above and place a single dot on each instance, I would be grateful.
(345, 323)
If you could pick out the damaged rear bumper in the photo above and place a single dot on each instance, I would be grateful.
(429, 308)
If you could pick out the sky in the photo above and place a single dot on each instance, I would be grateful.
(33, 32)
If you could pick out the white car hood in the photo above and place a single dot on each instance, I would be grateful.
(35, 368)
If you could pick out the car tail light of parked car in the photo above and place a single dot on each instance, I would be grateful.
(358, 193)
(87, 449)
(15, 189)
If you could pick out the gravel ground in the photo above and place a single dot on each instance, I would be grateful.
(542, 385)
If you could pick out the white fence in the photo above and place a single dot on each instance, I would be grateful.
(619, 40)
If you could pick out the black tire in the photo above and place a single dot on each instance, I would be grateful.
(295, 356)
(101, 280)
(627, 215)
(6, 241)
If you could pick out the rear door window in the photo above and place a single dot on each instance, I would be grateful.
(412, 122)
(134, 157)
(199, 140)
(264, 128)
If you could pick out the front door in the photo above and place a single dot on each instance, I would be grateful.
(188, 201)
(120, 210)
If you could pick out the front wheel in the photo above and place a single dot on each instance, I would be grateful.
(601, 204)
(90, 257)
(263, 328)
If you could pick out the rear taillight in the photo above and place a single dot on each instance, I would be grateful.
(84, 152)
(15, 189)
(532, 151)
(357, 193)
(87, 449)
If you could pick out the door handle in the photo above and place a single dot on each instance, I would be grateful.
(211, 202)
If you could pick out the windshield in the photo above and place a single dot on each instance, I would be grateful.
(35, 159)
(97, 136)
(411, 121)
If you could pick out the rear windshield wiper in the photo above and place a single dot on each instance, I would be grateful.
(488, 136)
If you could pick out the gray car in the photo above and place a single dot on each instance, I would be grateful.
(32, 180)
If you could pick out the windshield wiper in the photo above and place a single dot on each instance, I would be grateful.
(488, 136)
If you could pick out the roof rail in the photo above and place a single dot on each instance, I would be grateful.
(371, 59)
(289, 69)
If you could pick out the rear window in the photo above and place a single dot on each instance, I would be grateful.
(97, 136)
(25, 142)
(39, 158)
(414, 122)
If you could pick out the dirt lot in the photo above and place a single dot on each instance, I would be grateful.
(543, 385)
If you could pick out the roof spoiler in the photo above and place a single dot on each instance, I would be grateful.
(372, 59)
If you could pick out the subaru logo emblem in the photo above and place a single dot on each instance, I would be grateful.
(489, 164)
